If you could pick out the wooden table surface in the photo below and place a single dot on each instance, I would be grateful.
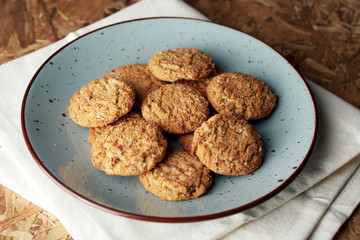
(321, 38)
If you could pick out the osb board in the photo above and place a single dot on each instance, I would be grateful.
(20, 219)
(27, 25)
(321, 38)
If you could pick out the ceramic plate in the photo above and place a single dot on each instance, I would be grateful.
(60, 147)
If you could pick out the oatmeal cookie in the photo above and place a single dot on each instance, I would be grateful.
(185, 141)
(228, 145)
(139, 76)
(95, 132)
(241, 95)
(176, 64)
(181, 176)
(176, 108)
(130, 147)
(200, 85)
(101, 102)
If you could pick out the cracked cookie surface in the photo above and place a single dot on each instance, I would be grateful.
(129, 147)
(228, 145)
(176, 108)
(180, 176)
(241, 95)
(200, 85)
(95, 132)
(101, 102)
(176, 64)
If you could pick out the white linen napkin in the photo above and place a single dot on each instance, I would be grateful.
(314, 205)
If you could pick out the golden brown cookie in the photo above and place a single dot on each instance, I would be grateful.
(130, 147)
(228, 145)
(176, 108)
(181, 176)
(101, 102)
(176, 64)
(185, 141)
(95, 132)
(139, 76)
(200, 85)
(241, 95)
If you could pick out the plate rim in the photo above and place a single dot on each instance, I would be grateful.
(182, 219)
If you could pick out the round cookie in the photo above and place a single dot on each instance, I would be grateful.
(101, 102)
(228, 145)
(241, 95)
(131, 147)
(176, 64)
(176, 108)
(139, 76)
(180, 176)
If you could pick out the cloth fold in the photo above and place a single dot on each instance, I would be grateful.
(313, 206)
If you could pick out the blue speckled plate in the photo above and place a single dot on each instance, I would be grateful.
(60, 147)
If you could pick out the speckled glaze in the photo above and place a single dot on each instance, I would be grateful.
(60, 147)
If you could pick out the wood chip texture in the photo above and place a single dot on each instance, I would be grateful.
(22, 220)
